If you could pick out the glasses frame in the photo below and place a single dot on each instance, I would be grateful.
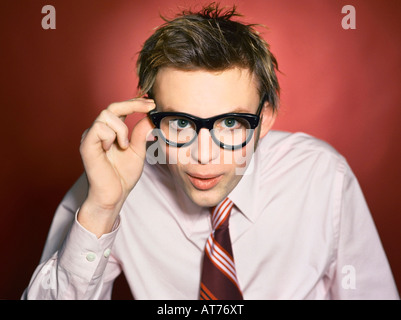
(207, 123)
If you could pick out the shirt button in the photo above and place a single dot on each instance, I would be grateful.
(91, 256)
(106, 253)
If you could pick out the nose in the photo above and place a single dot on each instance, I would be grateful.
(204, 150)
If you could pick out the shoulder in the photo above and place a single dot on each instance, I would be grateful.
(296, 144)
(299, 151)
(299, 141)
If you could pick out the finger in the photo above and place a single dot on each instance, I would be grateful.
(84, 135)
(140, 135)
(105, 134)
(124, 108)
(100, 133)
(117, 125)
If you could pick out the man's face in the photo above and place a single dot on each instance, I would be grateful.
(206, 172)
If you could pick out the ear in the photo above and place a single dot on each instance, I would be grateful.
(268, 117)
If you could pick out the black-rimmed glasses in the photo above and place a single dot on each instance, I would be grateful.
(229, 131)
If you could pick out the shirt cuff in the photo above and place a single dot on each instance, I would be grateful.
(85, 255)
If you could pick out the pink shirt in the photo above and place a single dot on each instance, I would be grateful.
(300, 229)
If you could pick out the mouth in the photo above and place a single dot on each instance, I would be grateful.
(204, 182)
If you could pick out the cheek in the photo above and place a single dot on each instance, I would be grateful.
(181, 156)
(176, 159)
(243, 157)
(175, 171)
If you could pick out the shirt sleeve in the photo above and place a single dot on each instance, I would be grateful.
(362, 270)
(75, 263)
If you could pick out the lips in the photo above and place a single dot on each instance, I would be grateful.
(204, 182)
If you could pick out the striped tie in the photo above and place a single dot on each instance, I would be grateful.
(219, 279)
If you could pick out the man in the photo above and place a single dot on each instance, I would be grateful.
(213, 205)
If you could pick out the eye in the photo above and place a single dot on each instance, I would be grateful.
(182, 123)
(229, 123)
(179, 124)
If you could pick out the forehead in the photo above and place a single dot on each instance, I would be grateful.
(206, 93)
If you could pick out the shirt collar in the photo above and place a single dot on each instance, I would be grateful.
(243, 195)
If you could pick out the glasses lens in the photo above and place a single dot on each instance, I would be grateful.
(232, 131)
(178, 129)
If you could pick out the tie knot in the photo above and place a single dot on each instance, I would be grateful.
(221, 213)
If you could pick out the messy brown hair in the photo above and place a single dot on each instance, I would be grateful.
(209, 39)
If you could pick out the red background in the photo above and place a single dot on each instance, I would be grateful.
(342, 86)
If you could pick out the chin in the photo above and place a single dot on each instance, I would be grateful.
(208, 198)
